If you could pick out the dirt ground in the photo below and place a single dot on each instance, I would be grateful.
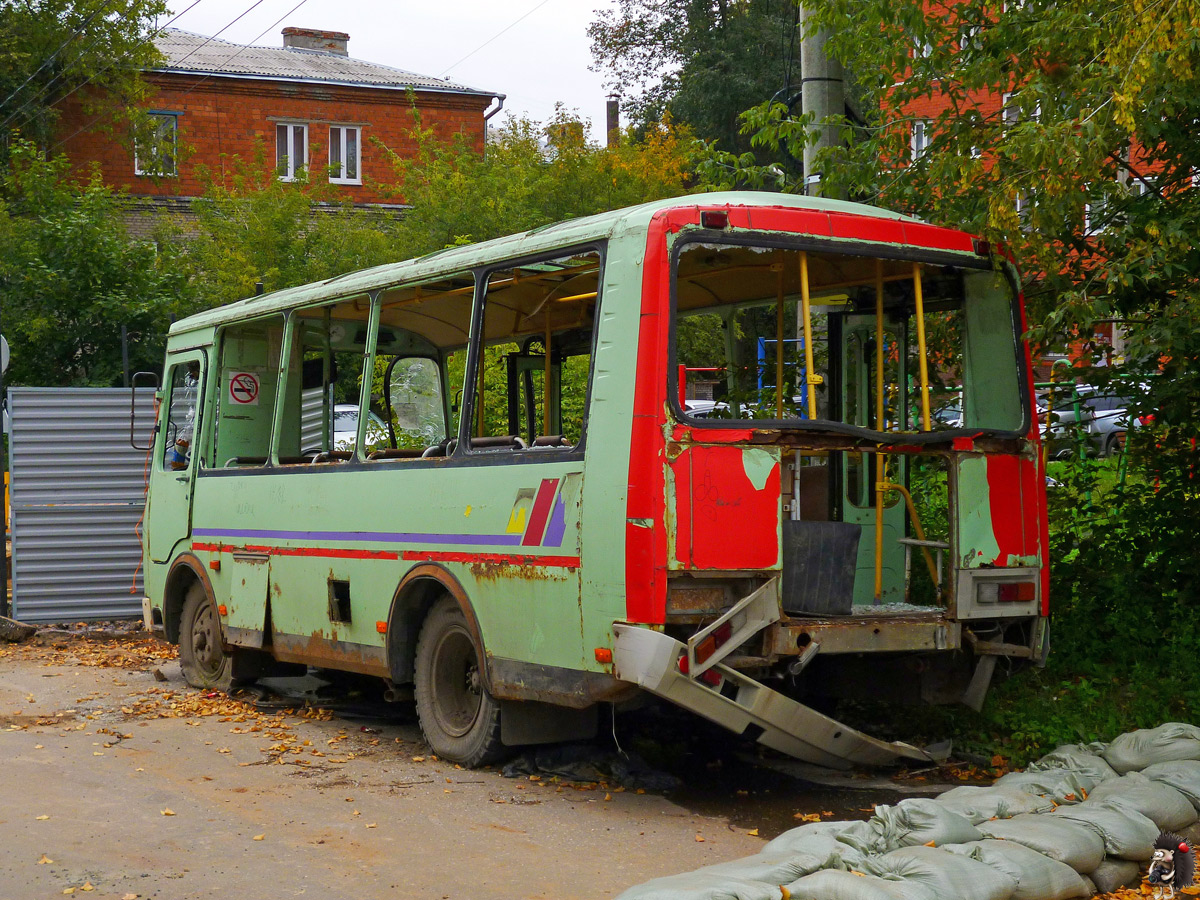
(120, 785)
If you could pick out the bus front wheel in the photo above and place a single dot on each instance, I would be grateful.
(202, 655)
(460, 719)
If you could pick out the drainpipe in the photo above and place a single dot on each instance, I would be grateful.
(499, 98)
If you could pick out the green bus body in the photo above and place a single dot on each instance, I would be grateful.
(573, 493)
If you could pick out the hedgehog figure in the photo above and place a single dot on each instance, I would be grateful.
(1171, 867)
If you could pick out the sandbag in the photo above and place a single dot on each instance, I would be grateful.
(1138, 749)
(700, 885)
(1127, 834)
(1114, 874)
(1037, 877)
(1069, 842)
(1159, 802)
(1081, 758)
(911, 822)
(1181, 774)
(780, 867)
(978, 804)
(945, 874)
(834, 884)
(810, 838)
(1060, 785)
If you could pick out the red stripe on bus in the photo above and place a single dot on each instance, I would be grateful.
(540, 514)
(507, 559)
(329, 552)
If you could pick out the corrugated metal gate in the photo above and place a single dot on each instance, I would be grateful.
(77, 493)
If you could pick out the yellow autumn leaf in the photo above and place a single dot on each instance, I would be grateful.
(699, 839)
(371, 825)
(42, 818)
(87, 886)
(68, 890)
(44, 860)
(129, 897)
(259, 837)
(168, 812)
(753, 832)
(608, 796)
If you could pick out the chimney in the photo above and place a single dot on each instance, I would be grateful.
(315, 39)
(613, 112)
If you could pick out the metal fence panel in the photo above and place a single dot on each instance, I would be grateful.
(77, 493)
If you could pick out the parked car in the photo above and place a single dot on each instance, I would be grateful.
(1102, 417)
(345, 428)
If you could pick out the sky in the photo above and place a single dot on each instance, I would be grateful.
(541, 59)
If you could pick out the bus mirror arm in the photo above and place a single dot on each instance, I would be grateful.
(147, 379)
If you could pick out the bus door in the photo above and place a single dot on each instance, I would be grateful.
(173, 471)
(860, 469)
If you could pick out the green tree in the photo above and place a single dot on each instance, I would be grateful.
(701, 61)
(1089, 178)
(259, 228)
(530, 176)
(90, 50)
(71, 276)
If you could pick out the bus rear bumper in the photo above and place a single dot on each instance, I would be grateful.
(651, 660)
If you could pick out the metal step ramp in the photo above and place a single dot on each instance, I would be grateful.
(650, 659)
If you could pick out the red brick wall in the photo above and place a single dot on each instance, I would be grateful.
(222, 118)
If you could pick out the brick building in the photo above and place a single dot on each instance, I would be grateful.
(307, 106)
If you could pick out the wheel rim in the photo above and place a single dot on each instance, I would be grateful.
(457, 686)
(206, 641)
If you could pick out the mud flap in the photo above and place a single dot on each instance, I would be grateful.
(650, 659)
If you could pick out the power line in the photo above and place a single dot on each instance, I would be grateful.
(231, 56)
(53, 56)
(49, 84)
(494, 36)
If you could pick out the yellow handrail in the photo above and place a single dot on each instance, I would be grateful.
(811, 379)
(921, 361)
(916, 520)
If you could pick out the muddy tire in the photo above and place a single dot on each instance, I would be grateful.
(202, 653)
(459, 718)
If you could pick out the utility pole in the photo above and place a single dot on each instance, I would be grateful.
(823, 94)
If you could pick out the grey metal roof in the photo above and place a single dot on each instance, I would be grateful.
(198, 54)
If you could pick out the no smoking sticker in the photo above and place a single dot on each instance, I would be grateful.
(243, 388)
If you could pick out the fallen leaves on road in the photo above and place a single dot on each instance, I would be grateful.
(807, 817)
(44, 860)
(258, 837)
(168, 812)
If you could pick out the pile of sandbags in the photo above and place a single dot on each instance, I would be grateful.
(1081, 819)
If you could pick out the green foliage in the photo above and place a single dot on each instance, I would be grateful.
(701, 63)
(70, 276)
(50, 49)
(529, 177)
(258, 228)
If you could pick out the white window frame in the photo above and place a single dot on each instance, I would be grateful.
(340, 177)
(158, 170)
(1010, 113)
(286, 165)
(919, 141)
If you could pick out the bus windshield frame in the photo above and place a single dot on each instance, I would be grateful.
(966, 262)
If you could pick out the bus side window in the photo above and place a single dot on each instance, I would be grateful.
(531, 385)
(324, 383)
(181, 415)
(420, 358)
(246, 389)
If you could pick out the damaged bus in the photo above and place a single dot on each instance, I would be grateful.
(746, 452)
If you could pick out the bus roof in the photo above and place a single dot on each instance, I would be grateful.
(570, 231)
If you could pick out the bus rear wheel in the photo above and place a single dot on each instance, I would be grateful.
(460, 719)
(202, 653)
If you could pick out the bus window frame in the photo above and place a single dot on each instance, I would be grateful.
(467, 415)
(800, 242)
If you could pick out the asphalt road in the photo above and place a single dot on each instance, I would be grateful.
(119, 785)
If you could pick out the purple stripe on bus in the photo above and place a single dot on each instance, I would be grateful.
(483, 540)
(558, 524)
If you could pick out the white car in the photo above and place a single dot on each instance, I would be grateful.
(345, 428)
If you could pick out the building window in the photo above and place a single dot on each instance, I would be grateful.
(155, 153)
(345, 149)
(920, 138)
(291, 150)
(1011, 113)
